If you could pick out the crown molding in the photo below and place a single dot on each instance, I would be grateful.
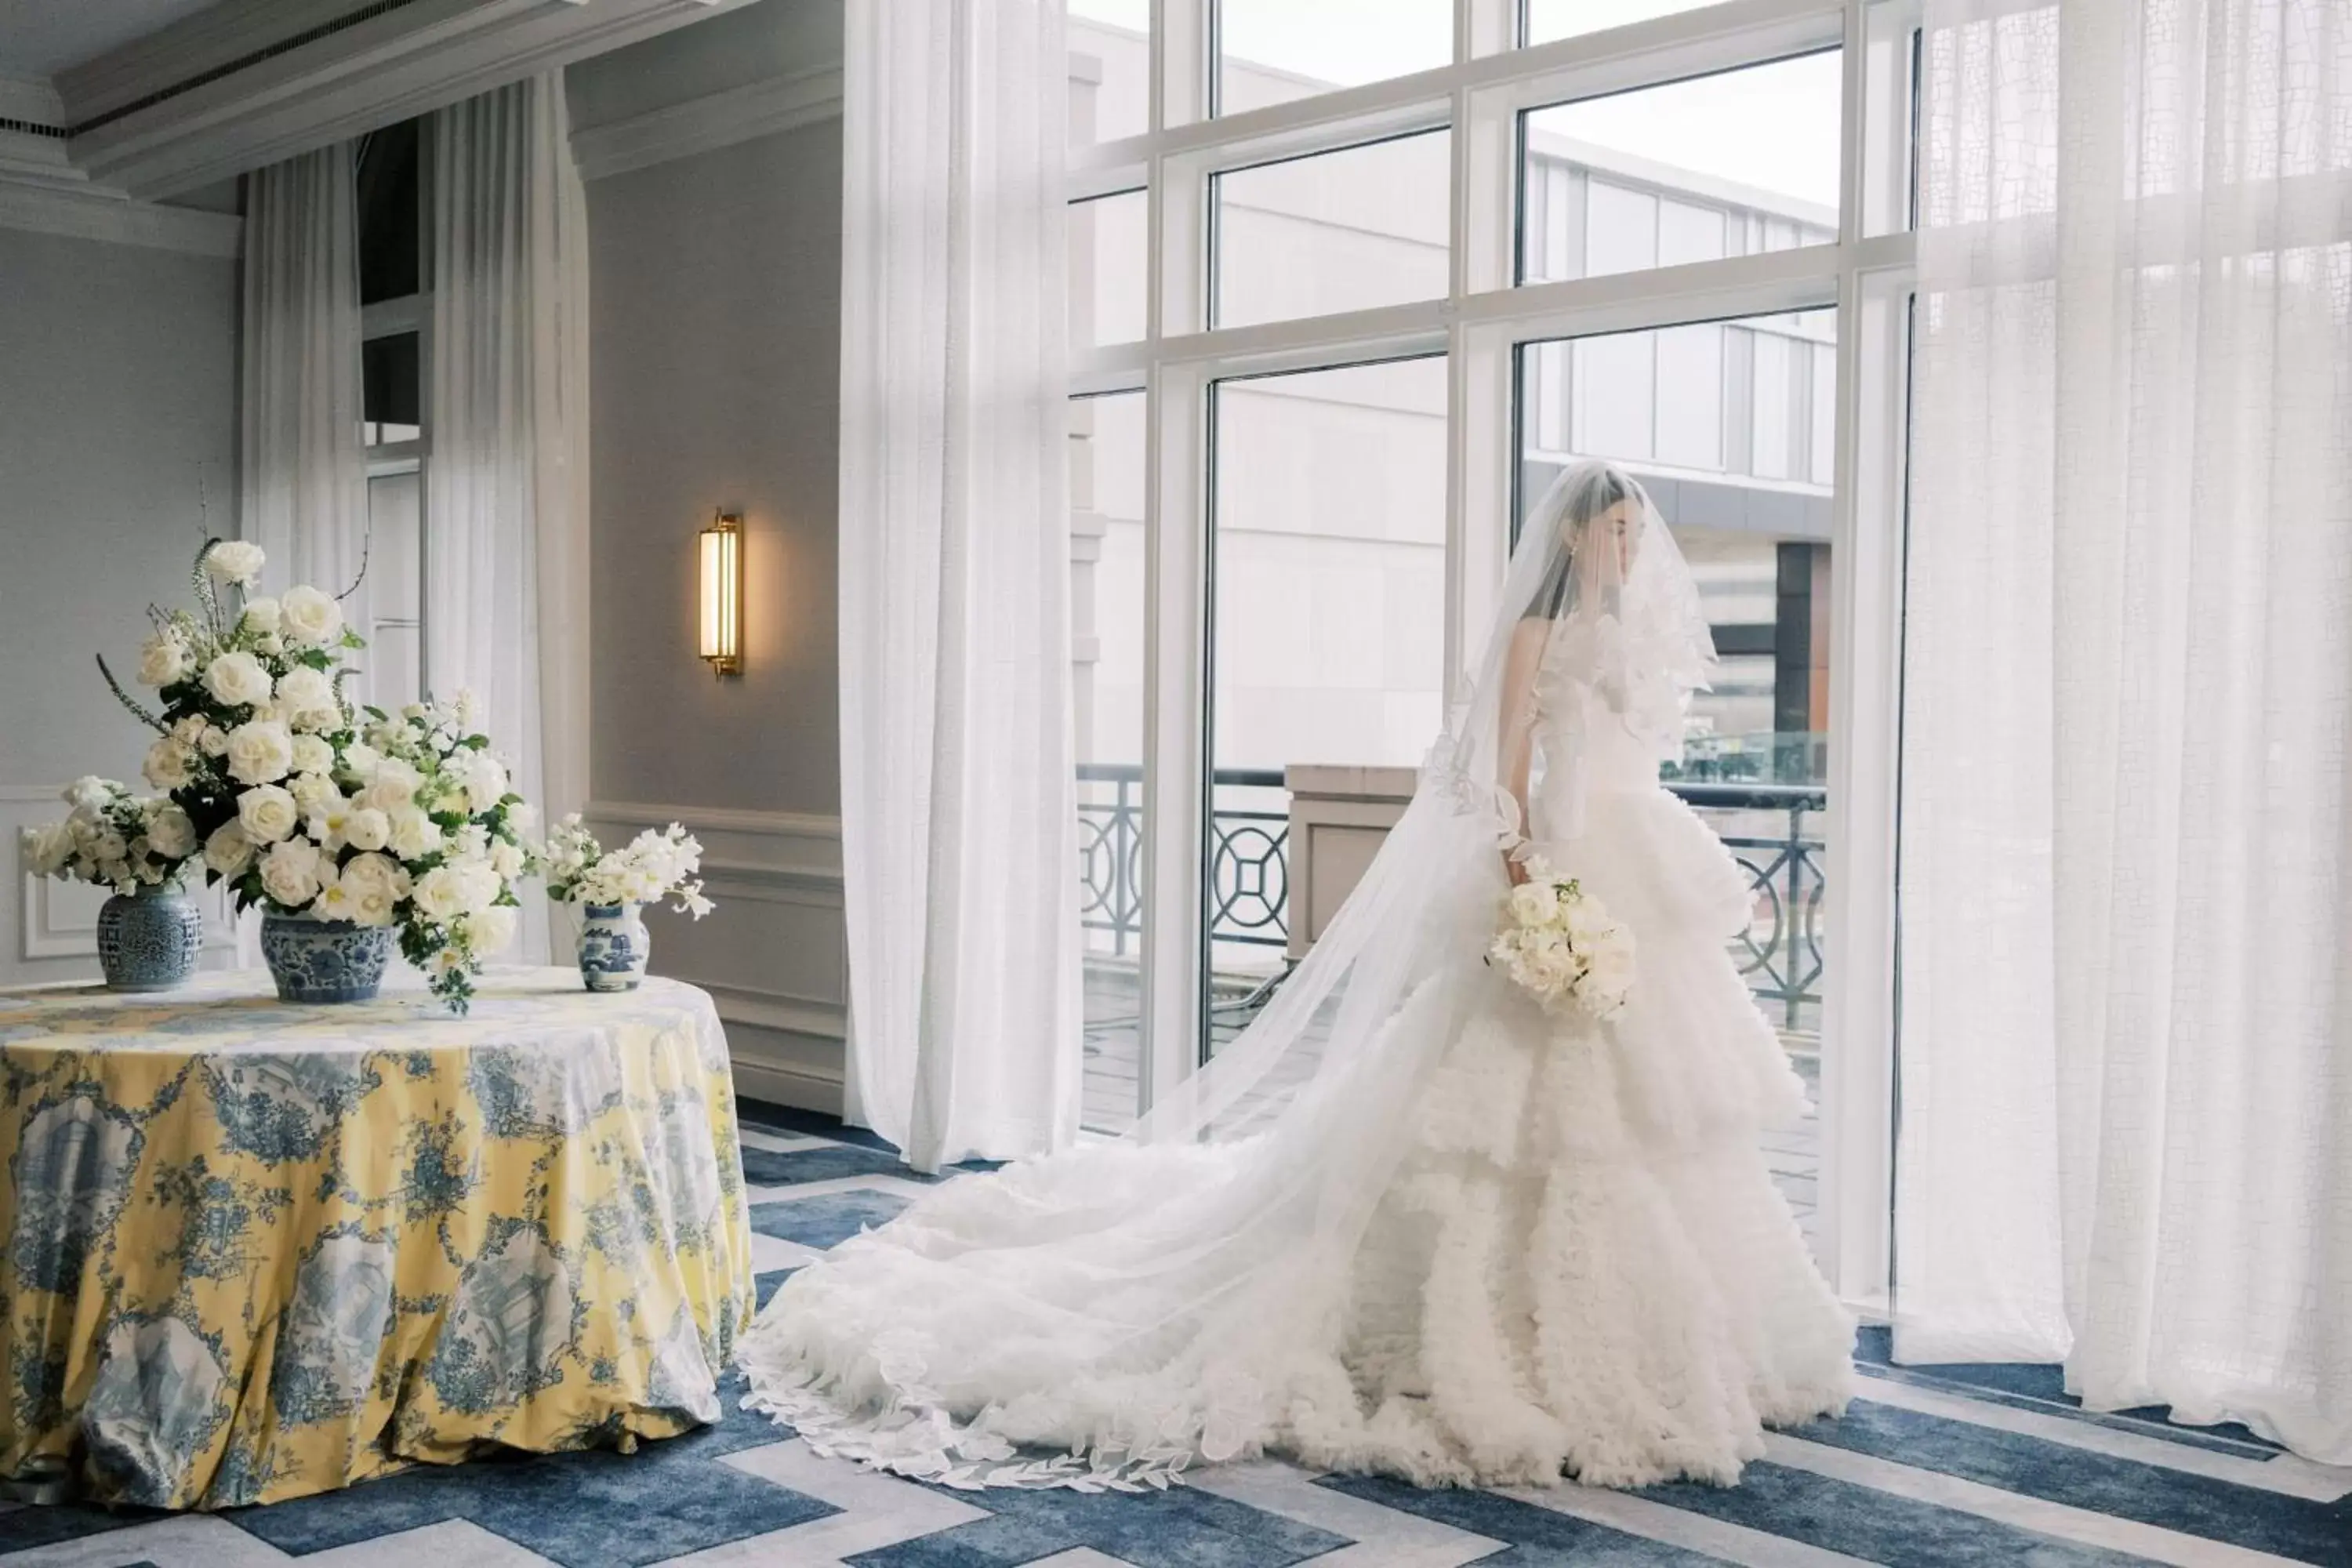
(708, 124)
(410, 59)
(83, 212)
(33, 99)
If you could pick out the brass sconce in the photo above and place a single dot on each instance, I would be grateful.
(722, 594)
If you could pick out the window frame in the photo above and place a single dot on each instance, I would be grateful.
(1865, 274)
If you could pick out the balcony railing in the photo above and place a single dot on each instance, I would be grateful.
(1780, 952)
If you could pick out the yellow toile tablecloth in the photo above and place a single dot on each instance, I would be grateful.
(254, 1251)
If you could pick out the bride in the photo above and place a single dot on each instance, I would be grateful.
(1408, 1221)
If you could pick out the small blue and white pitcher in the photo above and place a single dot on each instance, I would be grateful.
(613, 946)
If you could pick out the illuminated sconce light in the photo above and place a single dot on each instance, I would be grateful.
(722, 594)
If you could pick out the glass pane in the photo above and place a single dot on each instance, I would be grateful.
(1327, 592)
(1108, 271)
(1106, 699)
(1338, 231)
(1271, 51)
(389, 606)
(389, 390)
(1110, 69)
(1730, 426)
(391, 217)
(1721, 165)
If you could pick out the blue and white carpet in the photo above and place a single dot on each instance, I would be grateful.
(1934, 1467)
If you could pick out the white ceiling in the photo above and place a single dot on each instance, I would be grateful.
(42, 37)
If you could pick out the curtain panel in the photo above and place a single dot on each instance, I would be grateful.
(959, 814)
(2127, 881)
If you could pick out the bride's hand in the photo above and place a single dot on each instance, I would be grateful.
(1516, 870)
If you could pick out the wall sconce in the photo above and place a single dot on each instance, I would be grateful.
(722, 594)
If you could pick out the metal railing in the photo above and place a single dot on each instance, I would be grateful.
(1780, 952)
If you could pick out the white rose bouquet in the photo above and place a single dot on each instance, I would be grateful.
(114, 839)
(309, 807)
(1556, 943)
(654, 866)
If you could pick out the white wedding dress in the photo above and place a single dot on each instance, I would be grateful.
(1481, 1245)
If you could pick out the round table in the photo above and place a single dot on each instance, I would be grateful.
(254, 1251)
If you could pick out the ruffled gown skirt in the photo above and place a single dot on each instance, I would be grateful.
(1579, 1269)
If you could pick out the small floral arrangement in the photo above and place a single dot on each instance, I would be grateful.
(312, 808)
(1556, 943)
(114, 839)
(654, 866)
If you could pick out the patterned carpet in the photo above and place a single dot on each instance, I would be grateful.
(1934, 1467)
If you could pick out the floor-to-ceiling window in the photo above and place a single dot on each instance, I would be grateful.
(1351, 283)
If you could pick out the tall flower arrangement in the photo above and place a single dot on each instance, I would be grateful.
(309, 807)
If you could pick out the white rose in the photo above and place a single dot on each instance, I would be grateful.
(372, 908)
(413, 836)
(361, 760)
(163, 659)
(307, 616)
(228, 851)
(260, 753)
(188, 729)
(489, 930)
(481, 885)
(368, 829)
(170, 834)
(439, 895)
(312, 755)
(392, 785)
(235, 561)
(375, 873)
(308, 698)
(214, 742)
(238, 681)
(107, 846)
(311, 791)
(87, 793)
(266, 814)
(167, 764)
(260, 617)
(289, 872)
(522, 816)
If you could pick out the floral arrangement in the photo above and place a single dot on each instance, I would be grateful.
(114, 839)
(1556, 943)
(310, 808)
(654, 866)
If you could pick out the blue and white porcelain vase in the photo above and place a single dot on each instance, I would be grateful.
(613, 946)
(148, 940)
(324, 960)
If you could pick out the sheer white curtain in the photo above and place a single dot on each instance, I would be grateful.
(505, 492)
(959, 833)
(2126, 903)
(303, 478)
(303, 472)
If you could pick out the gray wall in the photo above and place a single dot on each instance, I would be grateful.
(715, 282)
(118, 384)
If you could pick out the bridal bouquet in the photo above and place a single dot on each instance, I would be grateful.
(114, 839)
(655, 865)
(1556, 943)
(310, 808)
